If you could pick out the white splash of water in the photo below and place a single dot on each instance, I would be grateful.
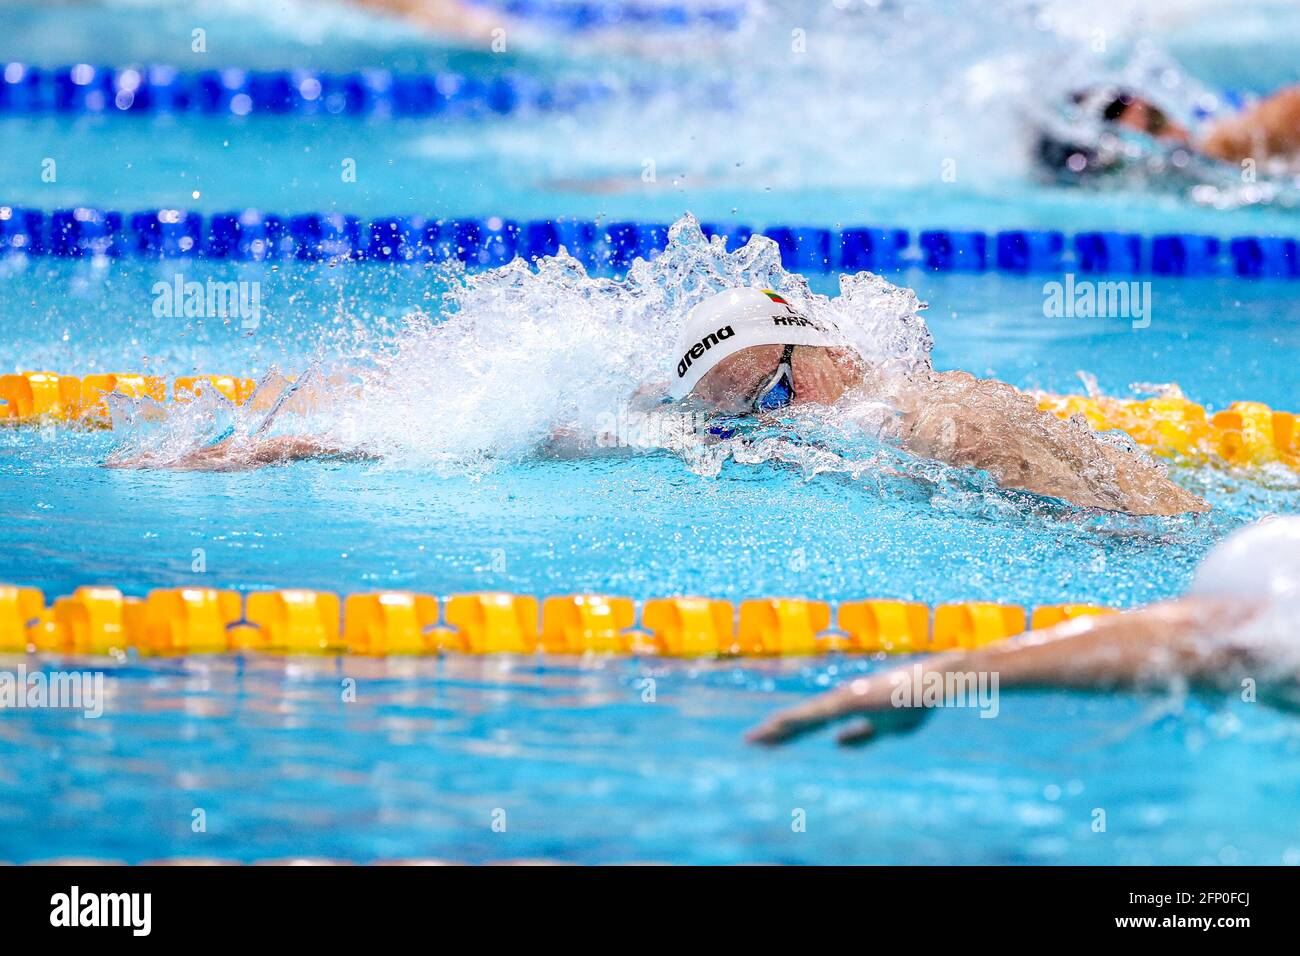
(519, 355)
(528, 352)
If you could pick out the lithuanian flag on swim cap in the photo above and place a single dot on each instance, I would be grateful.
(774, 297)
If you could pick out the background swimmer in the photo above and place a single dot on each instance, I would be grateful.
(1237, 621)
(1268, 130)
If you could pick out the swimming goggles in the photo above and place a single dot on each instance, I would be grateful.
(778, 390)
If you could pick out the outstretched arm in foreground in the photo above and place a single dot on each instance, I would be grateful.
(1177, 639)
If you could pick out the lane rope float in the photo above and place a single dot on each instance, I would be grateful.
(1243, 434)
(252, 235)
(89, 89)
(141, 89)
(99, 620)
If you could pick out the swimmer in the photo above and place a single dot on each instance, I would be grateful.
(1237, 621)
(1268, 130)
(749, 352)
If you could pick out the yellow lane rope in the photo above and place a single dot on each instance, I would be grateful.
(1245, 433)
(179, 621)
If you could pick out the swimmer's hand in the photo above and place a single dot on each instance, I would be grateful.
(869, 695)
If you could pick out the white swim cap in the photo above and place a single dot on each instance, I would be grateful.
(737, 319)
(1259, 561)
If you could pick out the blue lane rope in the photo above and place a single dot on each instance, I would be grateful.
(255, 236)
(84, 88)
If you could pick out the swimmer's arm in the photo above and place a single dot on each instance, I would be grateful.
(1270, 128)
(445, 17)
(565, 442)
(610, 437)
(989, 425)
(242, 455)
(614, 185)
(1181, 638)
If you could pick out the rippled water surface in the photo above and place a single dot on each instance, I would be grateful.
(577, 765)
(616, 760)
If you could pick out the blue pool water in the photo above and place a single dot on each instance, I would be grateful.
(585, 768)
(422, 763)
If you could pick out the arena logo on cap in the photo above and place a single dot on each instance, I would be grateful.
(699, 348)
